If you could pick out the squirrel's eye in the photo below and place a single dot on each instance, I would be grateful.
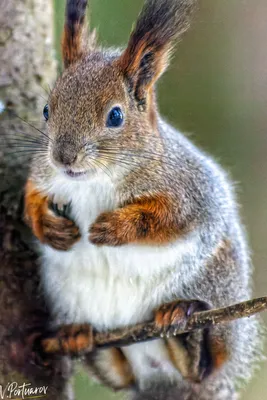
(115, 118)
(46, 112)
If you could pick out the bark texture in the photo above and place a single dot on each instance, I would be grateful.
(26, 64)
(199, 320)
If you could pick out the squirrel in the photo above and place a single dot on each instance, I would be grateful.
(134, 222)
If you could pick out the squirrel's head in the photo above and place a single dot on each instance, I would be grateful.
(102, 110)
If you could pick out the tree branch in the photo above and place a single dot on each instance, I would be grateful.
(149, 331)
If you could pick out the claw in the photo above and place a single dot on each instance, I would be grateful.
(61, 210)
(68, 209)
(175, 315)
(53, 207)
(65, 208)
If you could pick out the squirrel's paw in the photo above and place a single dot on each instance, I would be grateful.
(196, 354)
(107, 230)
(173, 316)
(72, 340)
(58, 231)
(60, 209)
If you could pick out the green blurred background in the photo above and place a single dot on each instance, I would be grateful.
(216, 91)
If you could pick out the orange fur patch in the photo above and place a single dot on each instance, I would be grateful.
(70, 339)
(36, 205)
(172, 313)
(219, 352)
(72, 44)
(130, 60)
(148, 220)
(58, 232)
(122, 367)
(51, 346)
(111, 368)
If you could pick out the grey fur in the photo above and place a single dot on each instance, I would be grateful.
(152, 160)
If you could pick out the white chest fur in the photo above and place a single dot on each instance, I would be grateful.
(105, 286)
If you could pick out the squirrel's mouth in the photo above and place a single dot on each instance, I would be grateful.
(74, 174)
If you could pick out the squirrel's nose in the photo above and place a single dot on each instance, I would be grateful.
(66, 158)
(65, 153)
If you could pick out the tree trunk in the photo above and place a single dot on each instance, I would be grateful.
(27, 64)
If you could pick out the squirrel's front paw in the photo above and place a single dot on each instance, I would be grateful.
(196, 354)
(43, 349)
(72, 340)
(58, 230)
(107, 230)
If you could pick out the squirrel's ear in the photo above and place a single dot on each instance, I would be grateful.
(74, 43)
(147, 54)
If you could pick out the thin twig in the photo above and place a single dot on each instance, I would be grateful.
(199, 320)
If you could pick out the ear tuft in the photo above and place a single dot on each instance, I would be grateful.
(74, 44)
(147, 54)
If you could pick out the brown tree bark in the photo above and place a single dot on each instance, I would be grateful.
(26, 64)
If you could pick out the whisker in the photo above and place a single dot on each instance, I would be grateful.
(142, 139)
(37, 94)
(26, 145)
(100, 166)
(150, 157)
(104, 167)
(45, 90)
(34, 127)
(125, 165)
(23, 145)
(145, 153)
(128, 166)
(136, 152)
(26, 155)
(22, 136)
(8, 139)
(26, 149)
(22, 150)
(12, 119)
(23, 142)
(135, 163)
